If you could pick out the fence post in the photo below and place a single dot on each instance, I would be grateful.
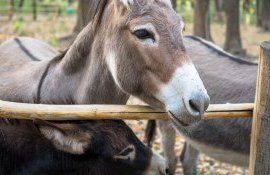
(260, 137)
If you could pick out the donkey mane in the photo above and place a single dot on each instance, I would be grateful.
(220, 51)
(80, 48)
(56, 59)
(95, 13)
(96, 8)
(25, 50)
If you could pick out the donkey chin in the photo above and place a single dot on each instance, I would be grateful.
(184, 96)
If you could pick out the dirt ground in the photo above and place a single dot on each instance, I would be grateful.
(51, 28)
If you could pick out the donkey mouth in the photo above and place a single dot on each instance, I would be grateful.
(177, 120)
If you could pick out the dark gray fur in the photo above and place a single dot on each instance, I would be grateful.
(25, 150)
(227, 81)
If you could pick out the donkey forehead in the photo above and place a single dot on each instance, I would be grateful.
(147, 2)
(156, 13)
(164, 23)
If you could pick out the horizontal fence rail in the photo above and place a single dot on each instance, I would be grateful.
(125, 112)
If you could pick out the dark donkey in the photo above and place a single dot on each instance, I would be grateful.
(83, 148)
(228, 79)
(130, 47)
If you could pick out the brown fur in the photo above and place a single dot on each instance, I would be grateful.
(82, 75)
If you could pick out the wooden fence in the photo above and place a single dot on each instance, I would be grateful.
(260, 142)
(94, 112)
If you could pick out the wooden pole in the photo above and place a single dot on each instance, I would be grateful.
(91, 112)
(260, 139)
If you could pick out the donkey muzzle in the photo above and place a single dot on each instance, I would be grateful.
(185, 96)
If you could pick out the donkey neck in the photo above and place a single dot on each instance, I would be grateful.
(82, 75)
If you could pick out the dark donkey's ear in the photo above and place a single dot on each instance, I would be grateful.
(64, 137)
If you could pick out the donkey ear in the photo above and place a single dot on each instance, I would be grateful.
(127, 154)
(64, 138)
(124, 4)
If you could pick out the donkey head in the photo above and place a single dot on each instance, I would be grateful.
(109, 144)
(146, 57)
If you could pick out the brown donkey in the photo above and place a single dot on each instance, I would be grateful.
(131, 47)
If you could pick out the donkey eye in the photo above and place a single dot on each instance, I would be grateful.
(143, 34)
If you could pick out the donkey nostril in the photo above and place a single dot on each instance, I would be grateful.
(199, 103)
(167, 172)
(195, 105)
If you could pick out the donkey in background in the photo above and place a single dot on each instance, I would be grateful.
(228, 79)
(130, 47)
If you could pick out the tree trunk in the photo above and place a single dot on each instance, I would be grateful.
(21, 3)
(34, 5)
(266, 15)
(219, 11)
(233, 42)
(174, 3)
(82, 15)
(259, 12)
(11, 9)
(202, 19)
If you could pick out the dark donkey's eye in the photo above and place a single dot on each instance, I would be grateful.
(143, 34)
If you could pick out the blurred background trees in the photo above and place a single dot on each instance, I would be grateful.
(264, 14)
(233, 42)
(82, 15)
(201, 15)
(202, 19)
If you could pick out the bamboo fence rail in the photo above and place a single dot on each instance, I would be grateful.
(127, 112)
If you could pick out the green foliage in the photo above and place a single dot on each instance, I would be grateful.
(18, 24)
(43, 6)
(54, 41)
(248, 11)
(184, 7)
